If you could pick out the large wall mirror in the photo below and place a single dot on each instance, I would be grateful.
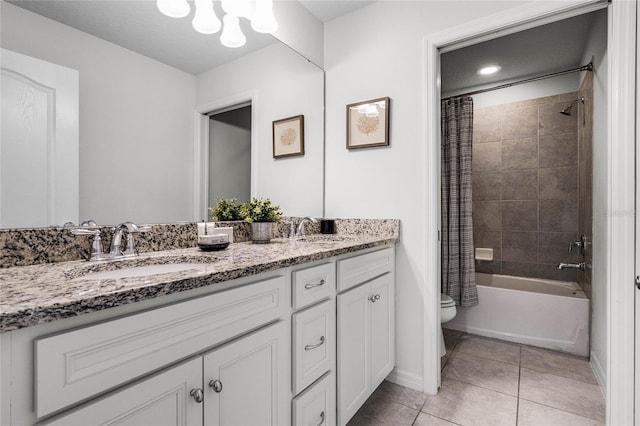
(144, 121)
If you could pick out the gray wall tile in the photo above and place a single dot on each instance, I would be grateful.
(520, 154)
(520, 215)
(487, 186)
(520, 184)
(519, 247)
(487, 157)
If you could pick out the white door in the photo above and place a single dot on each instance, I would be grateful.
(38, 143)
(354, 379)
(163, 399)
(382, 328)
(246, 382)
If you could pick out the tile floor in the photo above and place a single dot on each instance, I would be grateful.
(491, 382)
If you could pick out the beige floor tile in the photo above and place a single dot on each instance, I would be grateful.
(557, 363)
(490, 349)
(425, 419)
(494, 375)
(382, 411)
(562, 393)
(466, 404)
(402, 395)
(532, 414)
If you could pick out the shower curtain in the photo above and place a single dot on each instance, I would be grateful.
(458, 268)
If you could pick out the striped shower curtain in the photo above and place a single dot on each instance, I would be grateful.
(458, 268)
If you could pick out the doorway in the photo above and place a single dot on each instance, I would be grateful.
(230, 155)
(619, 211)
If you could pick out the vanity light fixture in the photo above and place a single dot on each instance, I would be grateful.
(205, 20)
(489, 69)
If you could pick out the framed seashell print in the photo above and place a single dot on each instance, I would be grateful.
(368, 123)
(288, 137)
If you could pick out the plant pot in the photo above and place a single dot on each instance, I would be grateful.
(261, 232)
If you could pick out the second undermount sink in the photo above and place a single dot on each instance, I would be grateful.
(143, 271)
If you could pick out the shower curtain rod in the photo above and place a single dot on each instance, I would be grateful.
(588, 67)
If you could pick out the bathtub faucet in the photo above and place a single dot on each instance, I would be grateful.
(563, 265)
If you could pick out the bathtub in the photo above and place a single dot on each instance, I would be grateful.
(544, 313)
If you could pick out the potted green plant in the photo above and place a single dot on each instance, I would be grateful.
(261, 214)
(226, 210)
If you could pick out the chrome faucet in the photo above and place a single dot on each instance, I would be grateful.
(579, 266)
(116, 241)
(300, 230)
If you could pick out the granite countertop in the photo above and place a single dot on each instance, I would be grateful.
(31, 295)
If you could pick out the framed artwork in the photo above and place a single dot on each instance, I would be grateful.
(288, 137)
(368, 123)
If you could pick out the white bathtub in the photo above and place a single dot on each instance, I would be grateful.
(544, 313)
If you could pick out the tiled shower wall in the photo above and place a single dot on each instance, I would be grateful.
(585, 178)
(525, 187)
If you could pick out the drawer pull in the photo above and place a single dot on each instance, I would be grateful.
(319, 284)
(197, 395)
(216, 385)
(317, 345)
(374, 298)
(321, 419)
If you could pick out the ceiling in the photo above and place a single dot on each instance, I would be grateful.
(541, 50)
(140, 27)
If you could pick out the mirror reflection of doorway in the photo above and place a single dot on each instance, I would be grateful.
(230, 155)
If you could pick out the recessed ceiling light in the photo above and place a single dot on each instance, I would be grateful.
(489, 69)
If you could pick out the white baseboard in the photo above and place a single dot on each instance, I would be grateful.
(404, 378)
(599, 372)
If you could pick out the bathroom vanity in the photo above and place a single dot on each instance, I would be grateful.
(294, 332)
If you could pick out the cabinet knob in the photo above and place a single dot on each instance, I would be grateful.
(216, 385)
(197, 394)
(317, 345)
(321, 419)
(318, 284)
(374, 298)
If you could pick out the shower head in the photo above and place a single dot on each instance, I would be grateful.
(567, 110)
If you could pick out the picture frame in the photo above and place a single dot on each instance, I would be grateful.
(368, 123)
(288, 137)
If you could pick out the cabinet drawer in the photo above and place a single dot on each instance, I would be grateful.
(316, 406)
(313, 284)
(73, 366)
(358, 269)
(314, 343)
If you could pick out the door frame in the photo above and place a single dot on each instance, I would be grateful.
(620, 147)
(201, 147)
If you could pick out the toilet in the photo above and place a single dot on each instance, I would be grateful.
(447, 313)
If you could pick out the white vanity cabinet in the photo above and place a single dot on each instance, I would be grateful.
(366, 338)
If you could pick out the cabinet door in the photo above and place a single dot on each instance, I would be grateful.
(163, 399)
(353, 351)
(246, 381)
(382, 350)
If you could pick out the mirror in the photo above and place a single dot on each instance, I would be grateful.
(140, 133)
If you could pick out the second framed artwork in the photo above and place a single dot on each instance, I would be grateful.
(368, 123)
(288, 137)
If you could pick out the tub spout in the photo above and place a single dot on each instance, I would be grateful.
(563, 265)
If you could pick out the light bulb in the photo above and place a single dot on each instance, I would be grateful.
(205, 20)
(263, 21)
(231, 33)
(174, 8)
(239, 8)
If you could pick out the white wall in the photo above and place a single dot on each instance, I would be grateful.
(384, 57)
(136, 122)
(286, 85)
(596, 47)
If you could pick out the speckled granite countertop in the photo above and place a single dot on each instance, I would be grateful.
(31, 295)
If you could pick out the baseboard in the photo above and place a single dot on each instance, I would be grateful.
(404, 378)
(599, 372)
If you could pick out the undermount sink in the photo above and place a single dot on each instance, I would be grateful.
(143, 271)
